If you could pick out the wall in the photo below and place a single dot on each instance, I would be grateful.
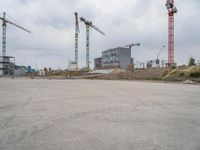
(125, 58)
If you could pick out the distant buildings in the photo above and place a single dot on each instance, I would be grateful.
(198, 63)
(8, 67)
(119, 57)
(20, 70)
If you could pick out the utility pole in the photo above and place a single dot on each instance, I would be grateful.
(89, 24)
(171, 10)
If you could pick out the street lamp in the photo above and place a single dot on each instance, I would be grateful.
(157, 60)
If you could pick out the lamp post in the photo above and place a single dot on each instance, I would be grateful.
(157, 58)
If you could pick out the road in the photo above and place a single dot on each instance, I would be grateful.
(98, 115)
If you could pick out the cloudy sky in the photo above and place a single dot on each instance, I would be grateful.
(51, 22)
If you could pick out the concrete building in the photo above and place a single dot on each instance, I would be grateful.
(7, 65)
(119, 57)
(98, 63)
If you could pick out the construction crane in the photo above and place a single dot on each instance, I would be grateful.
(4, 25)
(130, 46)
(89, 24)
(76, 37)
(157, 58)
(171, 10)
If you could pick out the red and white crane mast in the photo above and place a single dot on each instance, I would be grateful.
(171, 10)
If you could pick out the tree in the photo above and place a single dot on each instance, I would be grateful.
(192, 62)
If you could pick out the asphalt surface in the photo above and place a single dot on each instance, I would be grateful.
(98, 115)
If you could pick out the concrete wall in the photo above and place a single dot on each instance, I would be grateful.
(125, 58)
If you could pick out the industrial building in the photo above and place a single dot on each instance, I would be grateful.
(7, 65)
(119, 57)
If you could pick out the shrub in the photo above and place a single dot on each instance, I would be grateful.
(174, 67)
(192, 62)
(195, 74)
(182, 74)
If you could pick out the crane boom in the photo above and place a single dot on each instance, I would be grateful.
(131, 45)
(97, 29)
(89, 23)
(14, 24)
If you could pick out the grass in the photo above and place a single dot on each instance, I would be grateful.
(183, 73)
(195, 74)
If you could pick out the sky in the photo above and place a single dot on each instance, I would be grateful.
(52, 25)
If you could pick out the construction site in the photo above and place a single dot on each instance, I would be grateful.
(113, 63)
(120, 96)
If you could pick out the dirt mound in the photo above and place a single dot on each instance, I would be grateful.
(183, 73)
(144, 74)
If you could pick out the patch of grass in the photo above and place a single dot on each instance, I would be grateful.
(165, 73)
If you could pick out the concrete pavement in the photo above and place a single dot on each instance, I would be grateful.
(98, 115)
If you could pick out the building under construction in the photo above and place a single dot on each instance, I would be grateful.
(7, 65)
(119, 57)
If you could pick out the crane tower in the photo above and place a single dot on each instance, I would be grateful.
(171, 10)
(89, 24)
(76, 37)
(4, 25)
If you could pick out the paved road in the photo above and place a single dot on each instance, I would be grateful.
(98, 115)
